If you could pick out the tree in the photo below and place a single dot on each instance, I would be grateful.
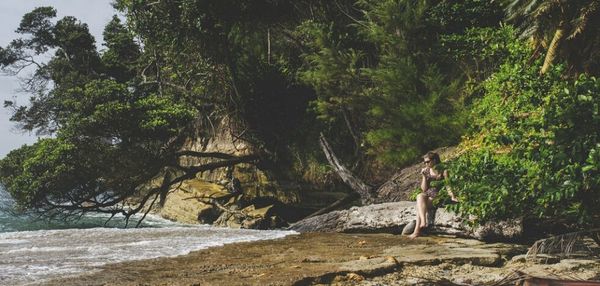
(381, 68)
(565, 29)
(115, 140)
(243, 52)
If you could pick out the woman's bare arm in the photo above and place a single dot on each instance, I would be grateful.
(450, 193)
(424, 183)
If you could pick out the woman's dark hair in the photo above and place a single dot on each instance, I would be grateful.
(433, 156)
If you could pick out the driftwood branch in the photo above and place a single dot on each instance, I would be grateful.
(356, 184)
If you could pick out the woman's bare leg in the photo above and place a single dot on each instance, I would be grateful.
(422, 207)
(421, 221)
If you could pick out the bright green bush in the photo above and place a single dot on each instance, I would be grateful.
(533, 147)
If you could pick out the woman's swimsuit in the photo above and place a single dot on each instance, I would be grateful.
(432, 192)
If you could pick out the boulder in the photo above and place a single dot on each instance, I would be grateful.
(229, 218)
(250, 217)
(185, 204)
(394, 216)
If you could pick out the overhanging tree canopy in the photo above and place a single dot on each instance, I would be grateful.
(109, 130)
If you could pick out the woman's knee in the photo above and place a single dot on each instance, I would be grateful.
(421, 197)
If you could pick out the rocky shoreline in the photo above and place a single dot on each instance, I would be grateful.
(340, 259)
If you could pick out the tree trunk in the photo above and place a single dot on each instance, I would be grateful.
(356, 184)
(554, 48)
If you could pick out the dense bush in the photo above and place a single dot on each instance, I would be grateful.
(533, 148)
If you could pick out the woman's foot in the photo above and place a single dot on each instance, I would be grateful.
(416, 233)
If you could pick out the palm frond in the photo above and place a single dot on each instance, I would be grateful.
(582, 22)
(547, 10)
(518, 13)
(566, 244)
(520, 8)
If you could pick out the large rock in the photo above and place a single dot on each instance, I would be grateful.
(250, 217)
(394, 216)
(254, 181)
(185, 205)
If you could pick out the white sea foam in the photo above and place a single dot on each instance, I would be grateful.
(34, 256)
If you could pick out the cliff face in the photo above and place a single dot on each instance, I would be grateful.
(240, 196)
(225, 137)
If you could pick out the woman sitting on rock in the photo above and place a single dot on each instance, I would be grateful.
(428, 194)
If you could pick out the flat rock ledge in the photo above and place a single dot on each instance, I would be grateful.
(396, 217)
(303, 259)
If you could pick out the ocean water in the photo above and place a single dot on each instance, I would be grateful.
(33, 251)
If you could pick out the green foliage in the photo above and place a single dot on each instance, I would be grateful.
(120, 58)
(532, 146)
(478, 52)
(453, 17)
(385, 80)
(389, 73)
(566, 31)
(108, 132)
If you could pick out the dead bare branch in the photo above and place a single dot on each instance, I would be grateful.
(364, 190)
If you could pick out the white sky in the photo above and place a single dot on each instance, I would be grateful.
(96, 13)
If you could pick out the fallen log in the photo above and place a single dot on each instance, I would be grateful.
(394, 216)
(364, 190)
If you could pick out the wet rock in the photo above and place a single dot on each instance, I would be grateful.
(250, 217)
(229, 218)
(372, 266)
(409, 228)
(321, 258)
(349, 278)
(208, 215)
(314, 259)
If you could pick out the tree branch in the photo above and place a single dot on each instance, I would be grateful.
(352, 181)
(217, 155)
(219, 164)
